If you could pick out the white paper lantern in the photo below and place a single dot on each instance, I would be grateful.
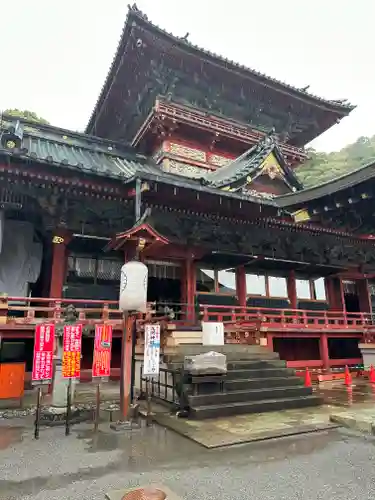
(133, 287)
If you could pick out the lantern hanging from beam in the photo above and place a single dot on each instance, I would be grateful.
(133, 287)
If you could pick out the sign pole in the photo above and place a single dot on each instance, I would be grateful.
(126, 364)
(132, 377)
(151, 361)
(132, 299)
(42, 372)
(148, 401)
(37, 413)
(97, 412)
(68, 407)
(101, 364)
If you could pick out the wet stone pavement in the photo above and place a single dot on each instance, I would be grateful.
(330, 465)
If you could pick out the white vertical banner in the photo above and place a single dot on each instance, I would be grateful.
(152, 350)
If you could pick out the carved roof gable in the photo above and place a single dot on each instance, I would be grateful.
(265, 159)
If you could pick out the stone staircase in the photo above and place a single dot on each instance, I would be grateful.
(257, 381)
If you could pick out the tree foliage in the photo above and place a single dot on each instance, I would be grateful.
(27, 115)
(323, 167)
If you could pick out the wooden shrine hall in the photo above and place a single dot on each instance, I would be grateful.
(189, 160)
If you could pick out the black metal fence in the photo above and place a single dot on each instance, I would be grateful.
(163, 386)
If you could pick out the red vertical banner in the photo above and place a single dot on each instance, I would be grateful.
(101, 366)
(43, 354)
(72, 346)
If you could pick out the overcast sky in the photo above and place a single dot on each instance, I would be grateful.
(55, 55)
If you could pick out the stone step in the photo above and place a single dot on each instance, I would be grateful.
(177, 357)
(260, 373)
(259, 383)
(239, 349)
(223, 398)
(252, 364)
(213, 411)
(177, 342)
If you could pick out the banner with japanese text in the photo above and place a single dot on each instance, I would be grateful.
(43, 353)
(101, 366)
(72, 346)
(152, 350)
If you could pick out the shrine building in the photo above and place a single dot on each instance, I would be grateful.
(190, 160)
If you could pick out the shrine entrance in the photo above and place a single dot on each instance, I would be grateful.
(351, 297)
(164, 285)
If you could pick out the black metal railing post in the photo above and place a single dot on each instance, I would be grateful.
(158, 389)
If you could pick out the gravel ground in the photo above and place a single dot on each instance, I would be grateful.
(325, 466)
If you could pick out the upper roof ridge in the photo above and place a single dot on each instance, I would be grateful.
(136, 17)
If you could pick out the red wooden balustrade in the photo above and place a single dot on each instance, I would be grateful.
(318, 363)
(288, 318)
(17, 311)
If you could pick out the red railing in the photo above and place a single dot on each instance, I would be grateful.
(16, 311)
(318, 363)
(287, 318)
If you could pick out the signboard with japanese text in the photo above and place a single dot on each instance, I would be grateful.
(72, 345)
(101, 366)
(43, 354)
(152, 350)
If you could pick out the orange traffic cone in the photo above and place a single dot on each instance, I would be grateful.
(307, 378)
(372, 375)
(348, 377)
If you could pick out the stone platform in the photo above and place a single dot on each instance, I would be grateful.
(241, 429)
(359, 418)
(256, 381)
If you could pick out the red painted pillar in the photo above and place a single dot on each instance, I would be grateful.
(342, 295)
(241, 286)
(331, 296)
(270, 341)
(60, 240)
(190, 287)
(184, 279)
(364, 296)
(292, 291)
(335, 291)
(324, 353)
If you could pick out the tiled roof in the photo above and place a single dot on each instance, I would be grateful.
(249, 162)
(92, 155)
(135, 15)
(331, 187)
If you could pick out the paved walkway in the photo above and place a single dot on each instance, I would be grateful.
(331, 465)
(353, 408)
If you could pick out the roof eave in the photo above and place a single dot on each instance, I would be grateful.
(135, 17)
(186, 46)
(116, 61)
(346, 181)
(195, 186)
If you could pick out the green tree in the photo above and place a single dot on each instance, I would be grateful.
(27, 115)
(323, 167)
